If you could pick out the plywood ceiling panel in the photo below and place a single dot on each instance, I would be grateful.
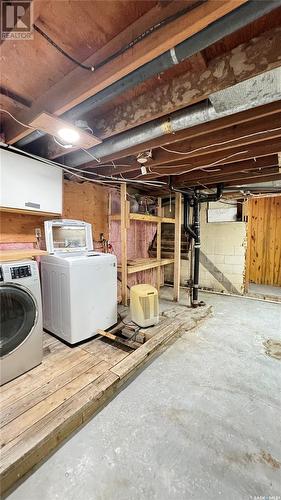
(79, 27)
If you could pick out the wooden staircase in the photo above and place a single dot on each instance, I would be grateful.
(167, 243)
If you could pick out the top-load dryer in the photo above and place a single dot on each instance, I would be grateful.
(79, 286)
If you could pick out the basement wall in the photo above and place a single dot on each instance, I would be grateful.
(223, 256)
(82, 201)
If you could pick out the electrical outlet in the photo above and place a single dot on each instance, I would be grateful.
(38, 232)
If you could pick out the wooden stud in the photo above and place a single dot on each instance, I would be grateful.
(158, 243)
(177, 250)
(124, 225)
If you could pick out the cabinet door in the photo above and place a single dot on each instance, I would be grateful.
(29, 184)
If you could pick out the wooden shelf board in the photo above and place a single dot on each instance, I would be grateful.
(137, 265)
(28, 212)
(144, 218)
(20, 254)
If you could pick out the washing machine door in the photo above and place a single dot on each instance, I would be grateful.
(18, 316)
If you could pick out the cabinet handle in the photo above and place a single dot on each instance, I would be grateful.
(32, 205)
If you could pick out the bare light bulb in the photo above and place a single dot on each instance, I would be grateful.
(69, 135)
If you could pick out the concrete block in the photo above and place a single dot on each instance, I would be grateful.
(238, 269)
(234, 259)
(226, 269)
(219, 259)
(233, 278)
(240, 250)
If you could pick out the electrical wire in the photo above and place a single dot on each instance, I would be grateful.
(90, 154)
(126, 47)
(16, 120)
(65, 146)
(219, 143)
(191, 169)
(62, 51)
(73, 170)
(110, 179)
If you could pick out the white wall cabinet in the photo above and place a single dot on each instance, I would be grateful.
(28, 184)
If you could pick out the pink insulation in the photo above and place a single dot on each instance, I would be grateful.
(139, 237)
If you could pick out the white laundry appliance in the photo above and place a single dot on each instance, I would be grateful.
(21, 319)
(79, 286)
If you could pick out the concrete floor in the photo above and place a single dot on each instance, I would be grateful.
(265, 290)
(202, 421)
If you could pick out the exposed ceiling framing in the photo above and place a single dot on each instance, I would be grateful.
(241, 147)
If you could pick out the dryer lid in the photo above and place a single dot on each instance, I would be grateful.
(68, 236)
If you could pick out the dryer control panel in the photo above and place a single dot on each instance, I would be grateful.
(20, 272)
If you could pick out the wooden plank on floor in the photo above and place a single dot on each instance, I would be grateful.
(49, 339)
(104, 350)
(28, 449)
(40, 375)
(169, 328)
(23, 404)
(12, 430)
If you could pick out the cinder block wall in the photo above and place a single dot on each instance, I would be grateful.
(223, 246)
(223, 256)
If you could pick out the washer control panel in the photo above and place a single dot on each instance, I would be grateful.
(20, 272)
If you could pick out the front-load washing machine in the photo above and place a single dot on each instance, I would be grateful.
(79, 286)
(21, 319)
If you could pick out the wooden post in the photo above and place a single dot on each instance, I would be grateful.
(177, 248)
(124, 223)
(158, 243)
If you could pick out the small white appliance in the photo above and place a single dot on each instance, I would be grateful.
(79, 286)
(21, 318)
(144, 305)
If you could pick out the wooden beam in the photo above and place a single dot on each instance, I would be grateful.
(252, 180)
(75, 88)
(238, 177)
(249, 133)
(245, 119)
(239, 64)
(124, 225)
(158, 243)
(265, 148)
(223, 170)
(177, 247)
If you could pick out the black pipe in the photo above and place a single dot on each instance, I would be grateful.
(196, 225)
(186, 225)
(240, 17)
(194, 199)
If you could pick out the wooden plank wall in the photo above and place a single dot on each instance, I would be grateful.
(264, 241)
(85, 201)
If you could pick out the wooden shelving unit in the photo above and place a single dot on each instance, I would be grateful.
(126, 266)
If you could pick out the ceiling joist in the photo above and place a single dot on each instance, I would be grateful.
(73, 89)
(239, 64)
